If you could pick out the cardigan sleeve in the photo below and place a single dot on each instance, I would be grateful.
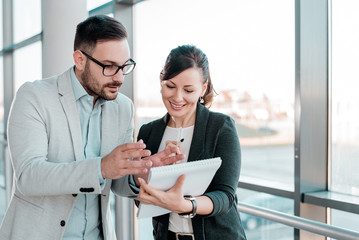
(143, 133)
(222, 190)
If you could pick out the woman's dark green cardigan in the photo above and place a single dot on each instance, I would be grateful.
(214, 136)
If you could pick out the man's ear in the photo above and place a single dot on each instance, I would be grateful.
(79, 59)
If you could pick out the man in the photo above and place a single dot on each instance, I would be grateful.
(70, 140)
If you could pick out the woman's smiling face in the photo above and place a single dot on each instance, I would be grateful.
(180, 94)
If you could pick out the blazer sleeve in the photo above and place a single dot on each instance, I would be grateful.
(28, 139)
(143, 134)
(222, 189)
(122, 186)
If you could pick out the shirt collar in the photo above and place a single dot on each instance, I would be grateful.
(79, 90)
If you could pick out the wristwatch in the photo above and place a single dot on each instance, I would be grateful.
(194, 209)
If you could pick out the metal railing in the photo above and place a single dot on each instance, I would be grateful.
(298, 222)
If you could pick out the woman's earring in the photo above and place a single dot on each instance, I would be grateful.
(201, 100)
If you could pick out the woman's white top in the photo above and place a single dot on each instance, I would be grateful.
(177, 223)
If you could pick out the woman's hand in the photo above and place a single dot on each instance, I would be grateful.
(172, 199)
(168, 156)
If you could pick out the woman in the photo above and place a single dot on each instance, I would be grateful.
(187, 91)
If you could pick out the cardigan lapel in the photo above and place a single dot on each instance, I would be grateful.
(154, 141)
(68, 102)
(196, 151)
(198, 140)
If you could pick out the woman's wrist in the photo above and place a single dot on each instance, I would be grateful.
(188, 206)
(192, 207)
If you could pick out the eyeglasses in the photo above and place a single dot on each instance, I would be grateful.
(111, 70)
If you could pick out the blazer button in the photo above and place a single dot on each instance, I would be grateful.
(62, 223)
(74, 195)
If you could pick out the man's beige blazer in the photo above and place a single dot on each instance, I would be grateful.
(46, 152)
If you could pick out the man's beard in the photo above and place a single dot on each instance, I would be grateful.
(93, 87)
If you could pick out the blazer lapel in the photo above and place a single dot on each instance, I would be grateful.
(198, 140)
(68, 103)
(110, 130)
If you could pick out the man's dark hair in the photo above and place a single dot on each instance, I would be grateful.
(96, 29)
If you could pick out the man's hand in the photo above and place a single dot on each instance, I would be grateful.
(166, 157)
(118, 164)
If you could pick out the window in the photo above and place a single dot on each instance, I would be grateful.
(28, 64)
(27, 19)
(1, 24)
(250, 46)
(260, 85)
(345, 98)
(2, 162)
(1, 97)
(345, 220)
(259, 228)
(251, 55)
(1, 76)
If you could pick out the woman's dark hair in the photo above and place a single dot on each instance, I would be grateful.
(183, 58)
(95, 29)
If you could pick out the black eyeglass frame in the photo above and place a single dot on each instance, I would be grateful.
(132, 62)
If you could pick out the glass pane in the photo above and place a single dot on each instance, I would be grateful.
(259, 228)
(113, 207)
(345, 98)
(27, 64)
(1, 98)
(2, 187)
(345, 220)
(252, 68)
(27, 19)
(262, 90)
(1, 70)
(2, 183)
(1, 27)
(145, 229)
(2, 161)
